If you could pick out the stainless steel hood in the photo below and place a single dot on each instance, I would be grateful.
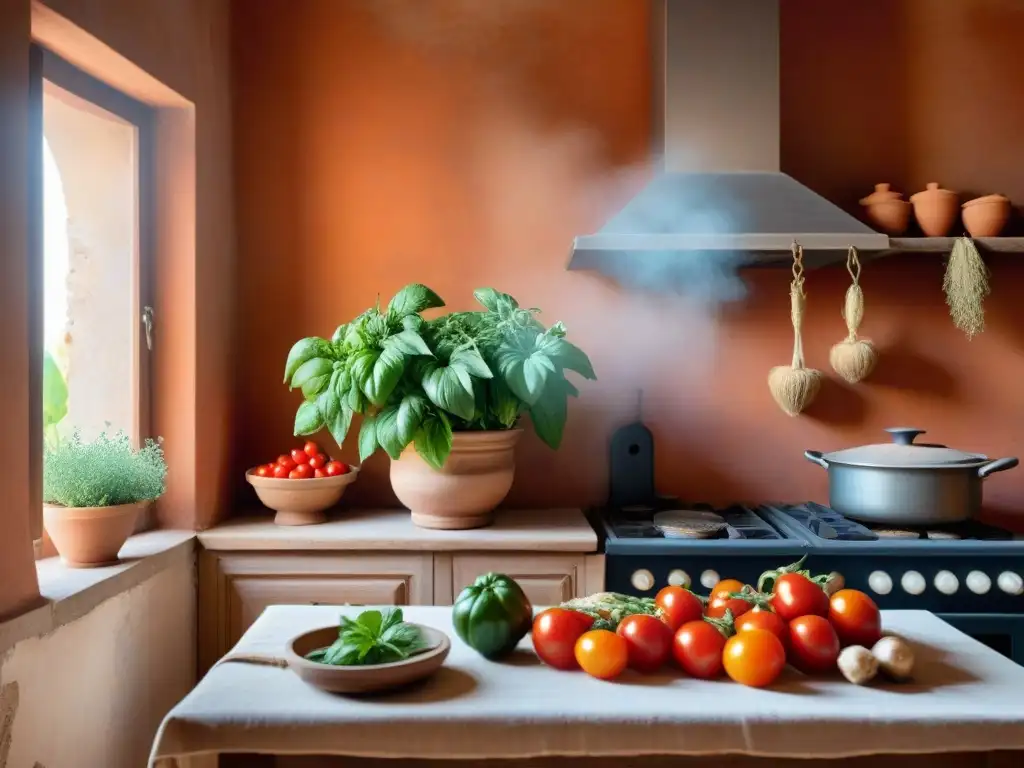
(720, 194)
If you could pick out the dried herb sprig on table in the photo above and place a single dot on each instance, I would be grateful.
(371, 638)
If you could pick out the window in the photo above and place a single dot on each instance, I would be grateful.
(93, 214)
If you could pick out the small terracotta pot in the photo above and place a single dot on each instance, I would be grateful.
(986, 216)
(886, 210)
(89, 537)
(301, 502)
(935, 210)
(465, 491)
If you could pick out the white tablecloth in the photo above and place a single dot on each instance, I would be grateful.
(965, 697)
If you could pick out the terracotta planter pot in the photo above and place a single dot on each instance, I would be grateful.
(301, 502)
(935, 210)
(465, 491)
(88, 537)
(886, 210)
(986, 216)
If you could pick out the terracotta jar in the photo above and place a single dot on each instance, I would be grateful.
(986, 216)
(935, 210)
(465, 491)
(88, 537)
(886, 210)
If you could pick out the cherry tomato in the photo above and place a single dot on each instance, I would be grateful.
(813, 644)
(648, 641)
(855, 618)
(264, 471)
(311, 449)
(335, 468)
(795, 595)
(284, 460)
(299, 456)
(555, 632)
(718, 606)
(601, 653)
(697, 646)
(755, 658)
(765, 620)
(319, 473)
(301, 472)
(726, 587)
(678, 606)
(281, 471)
(319, 461)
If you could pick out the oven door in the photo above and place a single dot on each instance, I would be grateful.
(999, 631)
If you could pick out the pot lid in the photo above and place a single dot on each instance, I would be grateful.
(903, 452)
(882, 193)
(986, 200)
(932, 189)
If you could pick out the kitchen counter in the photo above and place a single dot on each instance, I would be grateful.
(965, 699)
(551, 530)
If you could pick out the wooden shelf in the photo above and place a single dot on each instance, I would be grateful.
(945, 244)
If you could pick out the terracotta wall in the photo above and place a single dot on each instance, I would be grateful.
(370, 155)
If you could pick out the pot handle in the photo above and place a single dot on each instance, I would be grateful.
(997, 466)
(816, 457)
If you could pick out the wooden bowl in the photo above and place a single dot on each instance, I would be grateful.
(301, 502)
(364, 679)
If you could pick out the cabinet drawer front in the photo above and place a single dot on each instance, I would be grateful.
(546, 579)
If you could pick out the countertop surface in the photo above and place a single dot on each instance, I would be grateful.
(965, 697)
(550, 530)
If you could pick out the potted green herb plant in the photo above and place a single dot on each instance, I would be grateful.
(443, 397)
(93, 492)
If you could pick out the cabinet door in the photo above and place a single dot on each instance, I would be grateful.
(547, 579)
(234, 588)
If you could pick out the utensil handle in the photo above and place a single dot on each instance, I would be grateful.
(816, 457)
(997, 466)
(904, 435)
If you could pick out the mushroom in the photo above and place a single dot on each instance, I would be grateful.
(895, 657)
(857, 664)
(833, 583)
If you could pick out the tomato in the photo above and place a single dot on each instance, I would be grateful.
(311, 449)
(813, 644)
(678, 606)
(718, 606)
(301, 472)
(765, 620)
(855, 618)
(795, 595)
(319, 473)
(601, 653)
(726, 587)
(555, 632)
(697, 646)
(319, 461)
(755, 658)
(264, 471)
(335, 468)
(648, 641)
(281, 471)
(284, 460)
(299, 456)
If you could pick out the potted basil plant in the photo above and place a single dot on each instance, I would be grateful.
(443, 397)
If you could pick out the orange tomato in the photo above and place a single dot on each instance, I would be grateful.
(855, 618)
(755, 658)
(727, 586)
(602, 654)
(763, 620)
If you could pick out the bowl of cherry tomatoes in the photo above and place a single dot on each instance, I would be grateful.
(302, 485)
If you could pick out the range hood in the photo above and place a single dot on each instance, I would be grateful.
(720, 195)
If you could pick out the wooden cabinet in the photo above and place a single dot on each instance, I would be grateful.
(547, 578)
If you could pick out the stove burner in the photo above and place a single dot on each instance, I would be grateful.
(637, 522)
(893, 533)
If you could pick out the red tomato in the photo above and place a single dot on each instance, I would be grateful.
(795, 595)
(726, 587)
(765, 620)
(601, 654)
(318, 462)
(855, 618)
(813, 644)
(678, 606)
(718, 606)
(697, 646)
(264, 471)
(311, 449)
(755, 658)
(299, 456)
(284, 460)
(281, 471)
(301, 472)
(648, 641)
(555, 632)
(319, 473)
(335, 468)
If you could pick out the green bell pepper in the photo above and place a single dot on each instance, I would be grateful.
(492, 615)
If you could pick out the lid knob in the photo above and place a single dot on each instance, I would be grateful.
(904, 435)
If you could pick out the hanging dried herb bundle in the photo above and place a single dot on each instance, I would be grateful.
(793, 386)
(966, 286)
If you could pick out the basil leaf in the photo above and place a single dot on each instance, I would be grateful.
(340, 424)
(504, 404)
(413, 299)
(495, 301)
(328, 402)
(413, 323)
(339, 334)
(408, 342)
(367, 437)
(548, 413)
(355, 399)
(469, 357)
(302, 351)
(434, 440)
(393, 617)
(308, 420)
(525, 369)
(450, 388)
(387, 432)
(411, 412)
(372, 620)
(566, 354)
(378, 373)
(315, 368)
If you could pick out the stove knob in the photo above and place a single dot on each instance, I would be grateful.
(643, 580)
(709, 579)
(946, 582)
(913, 583)
(880, 582)
(678, 578)
(1011, 583)
(978, 582)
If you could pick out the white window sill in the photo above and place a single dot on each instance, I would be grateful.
(70, 593)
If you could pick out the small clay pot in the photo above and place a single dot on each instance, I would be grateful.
(935, 210)
(89, 537)
(301, 502)
(986, 216)
(886, 210)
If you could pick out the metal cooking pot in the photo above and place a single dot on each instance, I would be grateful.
(906, 483)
